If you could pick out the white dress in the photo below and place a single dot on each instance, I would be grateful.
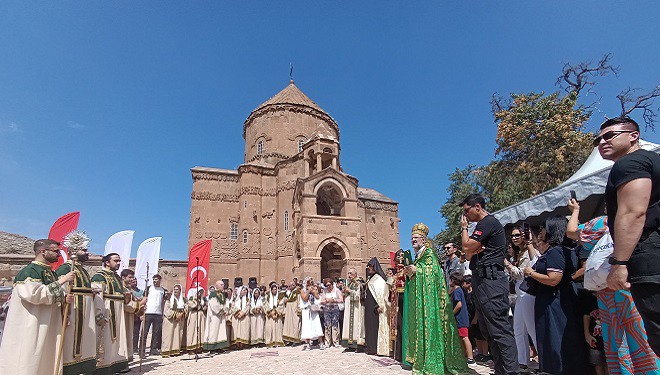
(311, 322)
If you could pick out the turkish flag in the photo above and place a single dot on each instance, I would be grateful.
(198, 268)
(61, 228)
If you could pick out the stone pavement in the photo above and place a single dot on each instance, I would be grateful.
(287, 360)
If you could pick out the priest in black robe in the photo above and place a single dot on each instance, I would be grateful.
(376, 322)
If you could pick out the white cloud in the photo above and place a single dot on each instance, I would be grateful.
(10, 127)
(74, 125)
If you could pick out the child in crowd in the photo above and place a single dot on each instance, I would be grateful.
(593, 334)
(461, 313)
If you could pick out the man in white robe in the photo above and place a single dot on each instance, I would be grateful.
(352, 333)
(79, 350)
(34, 320)
(111, 301)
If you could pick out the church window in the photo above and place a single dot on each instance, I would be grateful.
(260, 147)
(301, 142)
(286, 220)
(245, 235)
(234, 231)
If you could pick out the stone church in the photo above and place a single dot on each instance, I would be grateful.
(290, 210)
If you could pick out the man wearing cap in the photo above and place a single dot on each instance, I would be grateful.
(433, 347)
(34, 320)
(79, 349)
(486, 249)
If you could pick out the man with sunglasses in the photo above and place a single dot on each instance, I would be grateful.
(452, 263)
(632, 196)
(34, 319)
(486, 249)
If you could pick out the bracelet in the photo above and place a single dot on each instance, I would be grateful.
(463, 228)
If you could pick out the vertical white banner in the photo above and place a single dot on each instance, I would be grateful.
(120, 243)
(148, 254)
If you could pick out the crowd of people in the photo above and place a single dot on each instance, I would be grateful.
(506, 298)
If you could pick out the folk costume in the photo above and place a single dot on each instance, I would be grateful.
(353, 330)
(34, 323)
(109, 307)
(376, 324)
(274, 319)
(174, 320)
(79, 349)
(196, 322)
(311, 321)
(397, 307)
(292, 312)
(215, 337)
(241, 318)
(257, 320)
(433, 345)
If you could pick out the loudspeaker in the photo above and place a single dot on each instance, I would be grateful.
(238, 281)
(252, 283)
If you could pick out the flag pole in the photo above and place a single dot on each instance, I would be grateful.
(64, 319)
(143, 336)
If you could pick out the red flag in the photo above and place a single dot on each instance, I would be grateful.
(61, 228)
(392, 258)
(198, 266)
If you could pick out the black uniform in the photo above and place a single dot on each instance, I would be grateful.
(490, 286)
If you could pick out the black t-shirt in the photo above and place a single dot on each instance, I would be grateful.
(490, 233)
(637, 164)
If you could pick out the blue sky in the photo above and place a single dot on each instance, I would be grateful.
(105, 106)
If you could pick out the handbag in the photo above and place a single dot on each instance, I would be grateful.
(597, 266)
(529, 286)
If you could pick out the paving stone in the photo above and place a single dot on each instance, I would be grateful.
(287, 360)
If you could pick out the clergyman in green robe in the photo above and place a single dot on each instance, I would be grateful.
(432, 342)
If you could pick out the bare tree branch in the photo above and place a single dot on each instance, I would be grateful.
(630, 102)
(575, 78)
(497, 103)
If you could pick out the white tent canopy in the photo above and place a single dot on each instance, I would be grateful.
(589, 186)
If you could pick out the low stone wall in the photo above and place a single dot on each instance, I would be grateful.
(173, 271)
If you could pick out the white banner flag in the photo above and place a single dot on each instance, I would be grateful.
(147, 257)
(120, 243)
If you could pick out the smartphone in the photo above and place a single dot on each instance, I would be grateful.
(573, 196)
(526, 230)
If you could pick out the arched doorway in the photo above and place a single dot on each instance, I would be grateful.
(333, 261)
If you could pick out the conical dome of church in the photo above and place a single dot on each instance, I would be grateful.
(291, 95)
(276, 129)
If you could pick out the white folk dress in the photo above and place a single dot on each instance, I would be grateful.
(311, 322)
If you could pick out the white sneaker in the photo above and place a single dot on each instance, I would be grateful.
(306, 347)
(322, 346)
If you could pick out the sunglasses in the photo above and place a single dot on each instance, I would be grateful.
(515, 235)
(447, 247)
(609, 136)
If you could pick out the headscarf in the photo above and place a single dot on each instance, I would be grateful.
(379, 270)
(177, 303)
(241, 301)
(257, 302)
(272, 300)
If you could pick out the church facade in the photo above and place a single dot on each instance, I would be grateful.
(290, 210)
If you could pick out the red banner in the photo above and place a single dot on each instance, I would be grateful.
(392, 259)
(61, 228)
(198, 266)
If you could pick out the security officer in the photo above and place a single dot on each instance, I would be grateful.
(486, 249)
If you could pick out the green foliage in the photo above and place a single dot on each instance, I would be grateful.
(540, 143)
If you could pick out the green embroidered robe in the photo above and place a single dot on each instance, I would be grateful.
(79, 349)
(433, 345)
(112, 335)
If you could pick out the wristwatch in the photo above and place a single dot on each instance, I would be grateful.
(613, 261)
